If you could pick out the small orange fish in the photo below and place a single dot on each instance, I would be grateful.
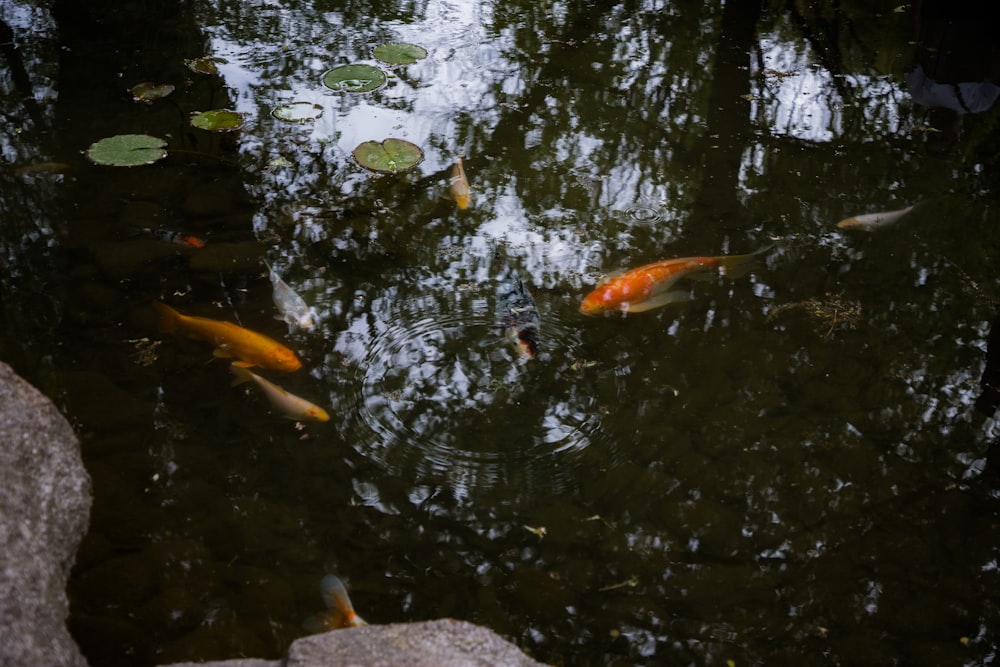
(341, 614)
(231, 341)
(648, 287)
(177, 238)
(170, 236)
(460, 185)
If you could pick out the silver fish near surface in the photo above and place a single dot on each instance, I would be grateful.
(519, 319)
(872, 221)
(293, 308)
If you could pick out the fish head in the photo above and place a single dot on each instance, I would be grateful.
(527, 342)
(284, 359)
(601, 300)
(316, 413)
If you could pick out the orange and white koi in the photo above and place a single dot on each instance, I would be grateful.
(460, 185)
(648, 286)
(230, 340)
(872, 221)
(177, 238)
(289, 405)
(341, 614)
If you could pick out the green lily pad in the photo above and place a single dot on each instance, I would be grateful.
(388, 157)
(217, 120)
(354, 78)
(297, 112)
(205, 64)
(127, 150)
(148, 91)
(399, 53)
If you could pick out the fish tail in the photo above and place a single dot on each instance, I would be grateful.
(735, 266)
(335, 595)
(170, 319)
(241, 373)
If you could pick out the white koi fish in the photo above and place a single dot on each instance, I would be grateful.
(289, 405)
(292, 307)
(872, 221)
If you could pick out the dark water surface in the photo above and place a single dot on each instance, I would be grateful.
(789, 468)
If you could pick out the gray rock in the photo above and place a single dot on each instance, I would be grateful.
(44, 508)
(442, 643)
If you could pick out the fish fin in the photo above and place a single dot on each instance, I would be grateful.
(658, 301)
(607, 277)
(169, 318)
(318, 623)
(222, 353)
(241, 373)
(334, 594)
(735, 266)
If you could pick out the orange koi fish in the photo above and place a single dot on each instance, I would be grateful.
(648, 287)
(231, 341)
(460, 185)
(170, 236)
(341, 614)
(289, 405)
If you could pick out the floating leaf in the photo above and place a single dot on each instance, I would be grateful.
(127, 150)
(298, 112)
(217, 120)
(147, 91)
(204, 65)
(399, 53)
(389, 156)
(354, 78)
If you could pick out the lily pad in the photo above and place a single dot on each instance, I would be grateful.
(297, 112)
(217, 120)
(388, 157)
(399, 53)
(147, 91)
(127, 150)
(205, 64)
(354, 78)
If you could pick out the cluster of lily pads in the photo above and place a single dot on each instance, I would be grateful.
(388, 156)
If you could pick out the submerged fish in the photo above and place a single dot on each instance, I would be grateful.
(289, 405)
(231, 341)
(170, 236)
(460, 185)
(648, 286)
(341, 614)
(872, 221)
(519, 317)
(292, 307)
(43, 168)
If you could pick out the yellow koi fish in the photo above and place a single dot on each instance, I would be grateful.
(341, 614)
(460, 185)
(231, 341)
(289, 405)
(871, 221)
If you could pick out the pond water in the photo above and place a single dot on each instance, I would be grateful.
(791, 466)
